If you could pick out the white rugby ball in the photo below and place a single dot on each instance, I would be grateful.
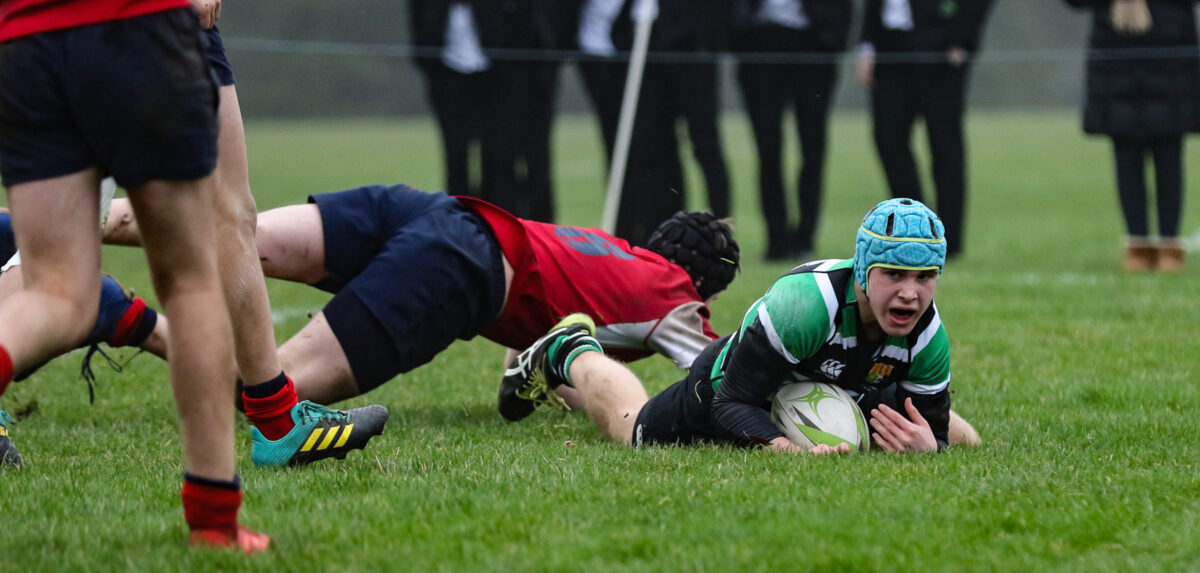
(811, 413)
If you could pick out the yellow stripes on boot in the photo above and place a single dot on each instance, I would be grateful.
(329, 437)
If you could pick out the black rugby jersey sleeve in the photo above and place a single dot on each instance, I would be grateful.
(753, 373)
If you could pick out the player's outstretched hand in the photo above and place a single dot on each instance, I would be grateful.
(895, 433)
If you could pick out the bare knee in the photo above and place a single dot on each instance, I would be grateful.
(77, 299)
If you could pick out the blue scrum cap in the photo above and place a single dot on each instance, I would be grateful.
(899, 234)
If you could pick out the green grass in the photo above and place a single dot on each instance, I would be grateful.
(1081, 380)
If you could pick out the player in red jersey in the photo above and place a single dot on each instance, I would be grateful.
(413, 271)
(128, 94)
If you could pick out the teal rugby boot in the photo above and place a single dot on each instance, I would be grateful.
(320, 433)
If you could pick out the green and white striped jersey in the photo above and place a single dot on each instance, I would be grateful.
(806, 327)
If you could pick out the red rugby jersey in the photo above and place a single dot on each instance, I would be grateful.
(24, 17)
(641, 303)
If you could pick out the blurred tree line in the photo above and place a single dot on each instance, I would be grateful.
(348, 58)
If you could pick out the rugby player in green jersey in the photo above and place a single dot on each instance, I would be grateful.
(866, 324)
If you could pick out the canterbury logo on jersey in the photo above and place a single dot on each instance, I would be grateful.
(3, 431)
(832, 368)
(330, 434)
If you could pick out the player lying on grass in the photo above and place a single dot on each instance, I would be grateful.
(867, 324)
(412, 271)
(122, 320)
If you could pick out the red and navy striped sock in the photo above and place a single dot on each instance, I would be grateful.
(269, 406)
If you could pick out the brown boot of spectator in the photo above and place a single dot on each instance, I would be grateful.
(1141, 255)
(1170, 255)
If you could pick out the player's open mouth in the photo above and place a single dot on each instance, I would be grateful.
(901, 316)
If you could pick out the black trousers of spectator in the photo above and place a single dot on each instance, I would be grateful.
(936, 93)
(653, 187)
(1167, 153)
(523, 114)
(768, 89)
(604, 82)
(695, 96)
(461, 104)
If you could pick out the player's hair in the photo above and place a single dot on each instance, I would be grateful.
(899, 234)
(702, 245)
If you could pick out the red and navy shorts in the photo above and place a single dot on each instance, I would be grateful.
(134, 97)
(411, 271)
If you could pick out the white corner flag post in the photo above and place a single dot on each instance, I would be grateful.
(644, 13)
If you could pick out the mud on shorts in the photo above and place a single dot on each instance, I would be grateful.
(411, 271)
(134, 97)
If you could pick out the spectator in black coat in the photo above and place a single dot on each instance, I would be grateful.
(817, 29)
(685, 87)
(489, 101)
(1143, 91)
(459, 79)
(524, 95)
(925, 50)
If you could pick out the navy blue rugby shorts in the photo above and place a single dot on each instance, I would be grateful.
(214, 50)
(134, 97)
(411, 271)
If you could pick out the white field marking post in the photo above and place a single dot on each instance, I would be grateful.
(108, 188)
(645, 11)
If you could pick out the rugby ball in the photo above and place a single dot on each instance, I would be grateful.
(811, 413)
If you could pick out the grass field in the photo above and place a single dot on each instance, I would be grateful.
(1081, 380)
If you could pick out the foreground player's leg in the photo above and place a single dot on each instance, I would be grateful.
(268, 394)
(61, 271)
(183, 265)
